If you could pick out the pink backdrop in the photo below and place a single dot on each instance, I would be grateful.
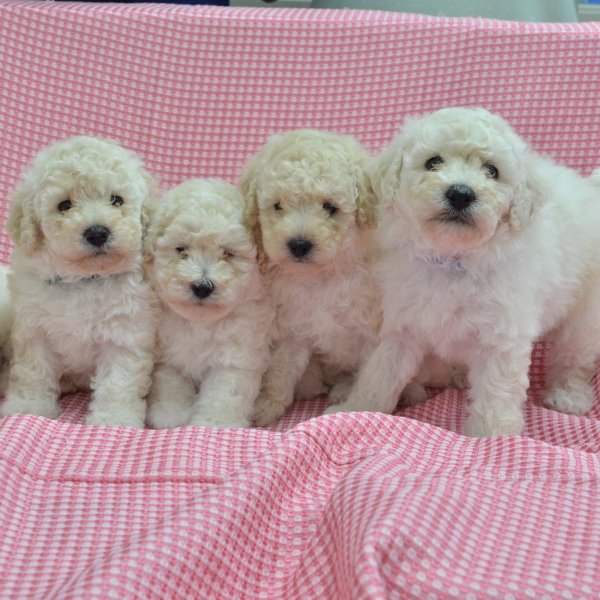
(349, 506)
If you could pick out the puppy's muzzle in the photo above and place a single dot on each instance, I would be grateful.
(300, 247)
(202, 289)
(97, 235)
(460, 197)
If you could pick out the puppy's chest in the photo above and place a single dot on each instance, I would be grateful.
(94, 311)
(197, 347)
(438, 306)
(328, 312)
(81, 321)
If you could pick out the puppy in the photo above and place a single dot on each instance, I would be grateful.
(216, 320)
(83, 309)
(312, 205)
(486, 247)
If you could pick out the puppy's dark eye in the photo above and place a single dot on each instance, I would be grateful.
(181, 251)
(278, 206)
(491, 171)
(330, 208)
(227, 254)
(116, 200)
(433, 163)
(65, 205)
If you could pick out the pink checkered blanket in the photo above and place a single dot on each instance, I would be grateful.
(363, 506)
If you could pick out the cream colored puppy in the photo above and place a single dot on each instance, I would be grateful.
(83, 309)
(487, 246)
(216, 322)
(312, 204)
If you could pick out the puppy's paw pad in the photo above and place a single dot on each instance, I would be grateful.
(414, 393)
(573, 400)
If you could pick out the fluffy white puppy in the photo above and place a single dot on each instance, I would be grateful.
(312, 203)
(84, 312)
(216, 323)
(487, 246)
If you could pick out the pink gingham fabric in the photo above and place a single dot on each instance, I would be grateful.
(361, 506)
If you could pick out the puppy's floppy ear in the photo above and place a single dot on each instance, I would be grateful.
(384, 173)
(528, 196)
(367, 214)
(248, 184)
(22, 222)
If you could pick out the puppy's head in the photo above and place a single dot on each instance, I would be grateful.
(83, 207)
(199, 251)
(457, 176)
(309, 196)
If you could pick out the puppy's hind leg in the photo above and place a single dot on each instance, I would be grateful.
(341, 387)
(311, 383)
(288, 362)
(170, 399)
(573, 359)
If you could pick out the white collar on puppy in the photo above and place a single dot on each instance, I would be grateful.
(446, 263)
(57, 279)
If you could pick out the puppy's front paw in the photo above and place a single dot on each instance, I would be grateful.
(267, 410)
(576, 398)
(340, 391)
(480, 426)
(165, 416)
(42, 407)
(343, 407)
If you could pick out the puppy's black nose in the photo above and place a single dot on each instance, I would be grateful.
(460, 196)
(97, 235)
(300, 247)
(203, 289)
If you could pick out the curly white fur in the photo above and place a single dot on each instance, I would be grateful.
(213, 342)
(83, 311)
(480, 285)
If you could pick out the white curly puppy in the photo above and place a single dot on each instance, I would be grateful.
(312, 204)
(216, 325)
(84, 312)
(487, 246)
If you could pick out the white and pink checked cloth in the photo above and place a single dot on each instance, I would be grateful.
(361, 506)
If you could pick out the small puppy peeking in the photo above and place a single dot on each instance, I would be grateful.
(486, 247)
(83, 310)
(216, 320)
